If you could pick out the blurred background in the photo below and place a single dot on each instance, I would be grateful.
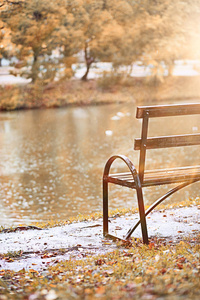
(70, 56)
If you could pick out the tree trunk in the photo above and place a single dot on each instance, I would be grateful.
(88, 60)
(34, 71)
(84, 78)
(104, 5)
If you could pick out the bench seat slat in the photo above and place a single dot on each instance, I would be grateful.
(157, 177)
(169, 141)
(168, 110)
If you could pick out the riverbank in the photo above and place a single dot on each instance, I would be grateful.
(74, 261)
(99, 91)
(25, 246)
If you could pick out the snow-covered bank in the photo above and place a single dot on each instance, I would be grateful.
(181, 68)
(6, 78)
(37, 249)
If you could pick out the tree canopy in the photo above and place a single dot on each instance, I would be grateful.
(49, 35)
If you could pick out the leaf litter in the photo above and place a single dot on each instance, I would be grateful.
(75, 261)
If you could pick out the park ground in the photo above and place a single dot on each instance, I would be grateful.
(72, 260)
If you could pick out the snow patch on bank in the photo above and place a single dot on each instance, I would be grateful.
(41, 248)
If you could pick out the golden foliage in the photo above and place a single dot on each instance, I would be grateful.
(118, 31)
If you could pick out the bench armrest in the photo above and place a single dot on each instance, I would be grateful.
(129, 164)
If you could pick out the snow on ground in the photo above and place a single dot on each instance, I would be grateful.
(41, 248)
(182, 68)
(10, 79)
(6, 78)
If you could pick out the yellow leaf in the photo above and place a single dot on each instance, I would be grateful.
(33, 271)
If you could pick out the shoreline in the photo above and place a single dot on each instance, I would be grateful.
(99, 215)
(92, 92)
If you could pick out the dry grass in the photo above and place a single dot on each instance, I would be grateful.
(162, 270)
(76, 92)
(135, 271)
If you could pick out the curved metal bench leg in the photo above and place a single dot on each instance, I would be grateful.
(139, 196)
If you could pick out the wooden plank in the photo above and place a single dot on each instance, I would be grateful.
(169, 141)
(156, 180)
(187, 169)
(168, 110)
(191, 170)
(158, 177)
(172, 170)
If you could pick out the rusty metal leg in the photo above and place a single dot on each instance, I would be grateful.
(105, 207)
(142, 215)
(156, 203)
(139, 196)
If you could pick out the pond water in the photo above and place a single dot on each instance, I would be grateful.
(52, 160)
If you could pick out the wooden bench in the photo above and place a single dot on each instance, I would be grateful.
(139, 179)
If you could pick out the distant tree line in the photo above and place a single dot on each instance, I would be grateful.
(155, 32)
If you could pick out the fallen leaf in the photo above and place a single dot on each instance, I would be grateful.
(100, 290)
(33, 271)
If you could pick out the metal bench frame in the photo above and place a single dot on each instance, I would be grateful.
(138, 179)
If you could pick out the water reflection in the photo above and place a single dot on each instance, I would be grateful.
(52, 160)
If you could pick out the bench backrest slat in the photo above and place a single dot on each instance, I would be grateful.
(168, 110)
(144, 143)
(169, 141)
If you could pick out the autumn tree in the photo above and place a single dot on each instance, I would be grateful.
(155, 32)
(70, 33)
(3, 50)
(165, 32)
(48, 34)
(41, 30)
(32, 23)
(96, 18)
(104, 30)
(127, 46)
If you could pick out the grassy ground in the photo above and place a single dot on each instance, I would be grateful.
(161, 270)
(135, 271)
(104, 90)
